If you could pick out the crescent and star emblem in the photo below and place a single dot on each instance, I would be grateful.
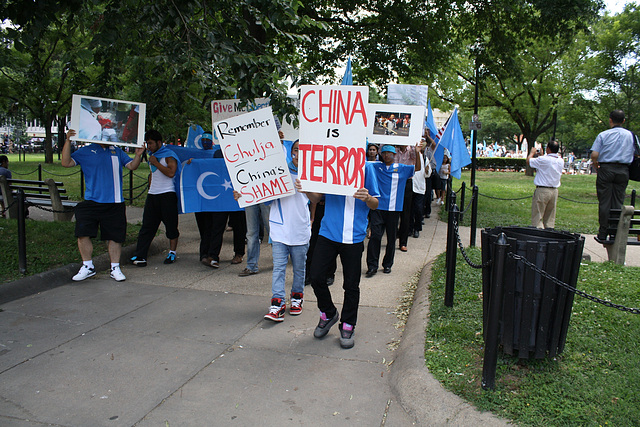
(199, 186)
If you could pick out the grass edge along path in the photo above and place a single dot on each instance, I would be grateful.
(49, 245)
(594, 382)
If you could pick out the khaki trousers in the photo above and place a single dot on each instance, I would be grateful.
(543, 207)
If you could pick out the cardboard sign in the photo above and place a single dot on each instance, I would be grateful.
(254, 156)
(108, 121)
(396, 124)
(333, 131)
(227, 108)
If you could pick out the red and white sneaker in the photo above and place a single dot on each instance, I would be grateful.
(276, 311)
(296, 303)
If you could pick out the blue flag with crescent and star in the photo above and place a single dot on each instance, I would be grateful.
(205, 186)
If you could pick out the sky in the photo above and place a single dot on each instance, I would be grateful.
(615, 6)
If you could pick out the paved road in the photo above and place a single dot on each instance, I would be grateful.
(186, 345)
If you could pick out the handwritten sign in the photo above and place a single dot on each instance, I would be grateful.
(254, 156)
(333, 131)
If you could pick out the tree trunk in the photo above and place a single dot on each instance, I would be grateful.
(48, 147)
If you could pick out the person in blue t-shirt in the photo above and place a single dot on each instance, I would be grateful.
(342, 232)
(103, 206)
(392, 179)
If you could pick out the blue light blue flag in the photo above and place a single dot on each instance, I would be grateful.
(453, 140)
(347, 79)
(205, 186)
(193, 137)
(431, 123)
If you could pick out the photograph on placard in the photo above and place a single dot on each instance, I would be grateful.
(108, 121)
(333, 133)
(255, 157)
(395, 124)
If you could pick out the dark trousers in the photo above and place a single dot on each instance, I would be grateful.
(417, 212)
(433, 183)
(219, 224)
(212, 225)
(157, 208)
(315, 232)
(611, 185)
(381, 222)
(405, 217)
(351, 258)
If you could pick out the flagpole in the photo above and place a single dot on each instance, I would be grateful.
(474, 139)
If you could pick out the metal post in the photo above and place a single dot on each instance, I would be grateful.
(463, 189)
(130, 187)
(633, 198)
(22, 238)
(493, 319)
(474, 138)
(474, 216)
(39, 171)
(450, 260)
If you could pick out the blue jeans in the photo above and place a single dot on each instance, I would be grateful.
(253, 228)
(281, 254)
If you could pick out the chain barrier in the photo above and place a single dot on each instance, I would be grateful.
(468, 206)
(464, 254)
(136, 197)
(57, 174)
(25, 173)
(499, 198)
(135, 188)
(42, 208)
(576, 201)
(8, 207)
(138, 176)
(571, 288)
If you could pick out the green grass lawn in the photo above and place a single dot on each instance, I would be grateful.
(594, 382)
(71, 176)
(49, 245)
(577, 209)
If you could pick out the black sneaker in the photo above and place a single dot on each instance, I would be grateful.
(138, 261)
(346, 335)
(325, 324)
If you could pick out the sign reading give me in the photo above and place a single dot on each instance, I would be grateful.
(333, 132)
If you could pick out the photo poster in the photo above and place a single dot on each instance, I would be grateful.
(108, 121)
(333, 135)
(255, 157)
(227, 108)
(407, 94)
(396, 124)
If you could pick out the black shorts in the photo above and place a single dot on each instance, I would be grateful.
(110, 217)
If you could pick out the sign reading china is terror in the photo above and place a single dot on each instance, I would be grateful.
(333, 132)
(254, 156)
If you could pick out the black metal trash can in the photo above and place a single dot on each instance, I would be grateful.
(535, 312)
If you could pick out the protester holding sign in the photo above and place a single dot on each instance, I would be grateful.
(342, 232)
(392, 178)
(290, 226)
(103, 205)
(406, 155)
(162, 203)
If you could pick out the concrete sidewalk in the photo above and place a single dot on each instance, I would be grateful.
(186, 345)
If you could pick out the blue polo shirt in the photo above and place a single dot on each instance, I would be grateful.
(102, 168)
(614, 145)
(392, 180)
(345, 217)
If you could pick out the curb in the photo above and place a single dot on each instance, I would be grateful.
(62, 275)
(419, 393)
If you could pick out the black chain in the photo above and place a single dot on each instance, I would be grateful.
(42, 208)
(136, 197)
(577, 201)
(499, 198)
(57, 174)
(25, 173)
(9, 207)
(571, 288)
(464, 254)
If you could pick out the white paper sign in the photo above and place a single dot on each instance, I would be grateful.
(254, 156)
(396, 124)
(333, 131)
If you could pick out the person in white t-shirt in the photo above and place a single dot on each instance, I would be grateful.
(290, 231)
(549, 171)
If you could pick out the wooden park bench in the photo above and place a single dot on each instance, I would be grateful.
(47, 193)
(622, 230)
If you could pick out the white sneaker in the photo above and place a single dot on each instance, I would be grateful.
(117, 275)
(83, 273)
